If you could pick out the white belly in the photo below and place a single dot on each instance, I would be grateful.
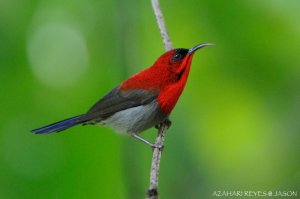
(135, 120)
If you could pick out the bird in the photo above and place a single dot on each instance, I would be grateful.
(144, 100)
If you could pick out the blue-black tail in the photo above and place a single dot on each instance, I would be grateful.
(59, 126)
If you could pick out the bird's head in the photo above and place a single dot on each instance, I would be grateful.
(176, 61)
(171, 67)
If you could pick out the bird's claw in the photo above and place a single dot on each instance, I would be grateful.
(157, 146)
(166, 122)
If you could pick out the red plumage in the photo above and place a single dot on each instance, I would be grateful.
(162, 77)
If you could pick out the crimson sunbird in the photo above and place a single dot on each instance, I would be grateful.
(144, 100)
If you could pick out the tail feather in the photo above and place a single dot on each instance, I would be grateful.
(59, 126)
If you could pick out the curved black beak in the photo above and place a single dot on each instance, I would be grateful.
(193, 49)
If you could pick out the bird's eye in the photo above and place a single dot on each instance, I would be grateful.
(177, 56)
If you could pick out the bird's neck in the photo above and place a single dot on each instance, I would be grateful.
(170, 94)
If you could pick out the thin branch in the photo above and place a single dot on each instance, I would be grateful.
(161, 25)
(152, 192)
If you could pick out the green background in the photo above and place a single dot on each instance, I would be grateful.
(236, 126)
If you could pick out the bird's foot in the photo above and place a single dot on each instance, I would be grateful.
(157, 146)
(166, 122)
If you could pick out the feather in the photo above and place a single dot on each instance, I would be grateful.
(118, 100)
(59, 126)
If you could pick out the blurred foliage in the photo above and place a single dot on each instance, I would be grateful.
(235, 127)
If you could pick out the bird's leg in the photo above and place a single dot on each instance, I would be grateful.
(145, 141)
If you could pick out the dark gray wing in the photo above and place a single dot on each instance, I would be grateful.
(117, 100)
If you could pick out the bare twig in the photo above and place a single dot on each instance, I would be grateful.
(152, 192)
(161, 25)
